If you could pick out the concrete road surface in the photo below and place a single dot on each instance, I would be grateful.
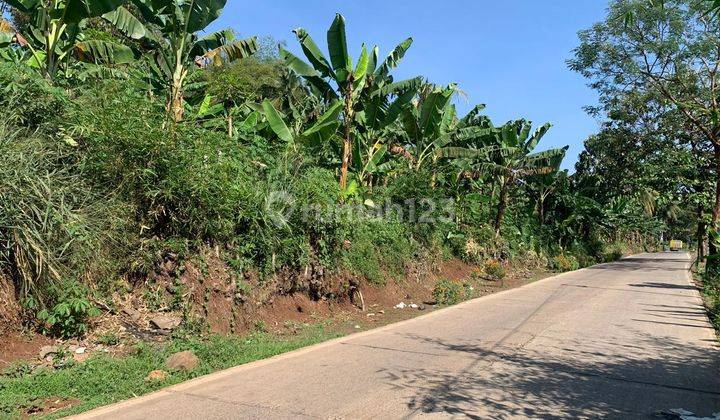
(621, 340)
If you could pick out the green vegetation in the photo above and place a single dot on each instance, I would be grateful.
(205, 142)
(131, 145)
(105, 379)
(448, 292)
(655, 66)
(494, 270)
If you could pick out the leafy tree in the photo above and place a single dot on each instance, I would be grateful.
(350, 82)
(54, 34)
(173, 28)
(668, 48)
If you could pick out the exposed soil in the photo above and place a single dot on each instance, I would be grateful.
(49, 405)
(17, 346)
(228, 302)
(9, 307)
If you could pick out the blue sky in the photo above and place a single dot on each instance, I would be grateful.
(508, 54)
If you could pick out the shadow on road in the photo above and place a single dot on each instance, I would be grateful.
(582, 382)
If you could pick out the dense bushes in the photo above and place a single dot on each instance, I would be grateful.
(53, 225)
(98, 183)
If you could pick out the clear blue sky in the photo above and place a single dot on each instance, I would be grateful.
(507, 54)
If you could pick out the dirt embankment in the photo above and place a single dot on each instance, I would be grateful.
(207, 295)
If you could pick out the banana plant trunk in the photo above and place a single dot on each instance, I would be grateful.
(502, 205)
(177, 95)
(347, 141)
(176, 101)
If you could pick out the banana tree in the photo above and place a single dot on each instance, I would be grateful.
(507, 155)
(173, 26)
(432, 124)
(338, 79)
(54, 34)
(383, 102)
(544, 185)
(320, 132)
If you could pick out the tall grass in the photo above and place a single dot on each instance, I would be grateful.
(53, 226)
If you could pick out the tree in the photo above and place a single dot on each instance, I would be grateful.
(669, 48)
(350, 81)
(54, 34)
(173, 28)
(506, 153)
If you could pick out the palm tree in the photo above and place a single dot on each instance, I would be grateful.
(55, 34)
(364, 88)
(506, 153)
(172, 27)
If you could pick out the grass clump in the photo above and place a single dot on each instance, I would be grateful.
(563, 262)
(494, 270)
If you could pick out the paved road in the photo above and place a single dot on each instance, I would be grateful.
(620, 340)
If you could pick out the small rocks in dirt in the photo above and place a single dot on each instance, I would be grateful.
(46, 351)
(156, 376)
(400, 305)
(165, 322)
(184, 360)
(132, 313)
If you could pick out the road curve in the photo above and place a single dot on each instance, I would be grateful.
(620, 340)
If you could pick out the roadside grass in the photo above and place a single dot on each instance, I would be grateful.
(710, 292)
(103, 379)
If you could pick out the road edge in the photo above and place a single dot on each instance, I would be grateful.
(301, 351)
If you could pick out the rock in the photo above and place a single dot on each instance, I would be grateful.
(371, 314)
(80, 350)
(381, 311)
(165, 322)
(357, 327)
(48, 350)
(132, 313)
(421, 307)
(400, 305)
(413, 305)
(184, 360)
(156, 376)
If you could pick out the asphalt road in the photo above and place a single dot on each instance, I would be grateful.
(620, 340)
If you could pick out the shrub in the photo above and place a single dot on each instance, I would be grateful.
(562, 263)
(447, 292)
(31, 99)
(377, 249)
(614, 252)
(69, 317)
(494, 270)
(53, 225)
